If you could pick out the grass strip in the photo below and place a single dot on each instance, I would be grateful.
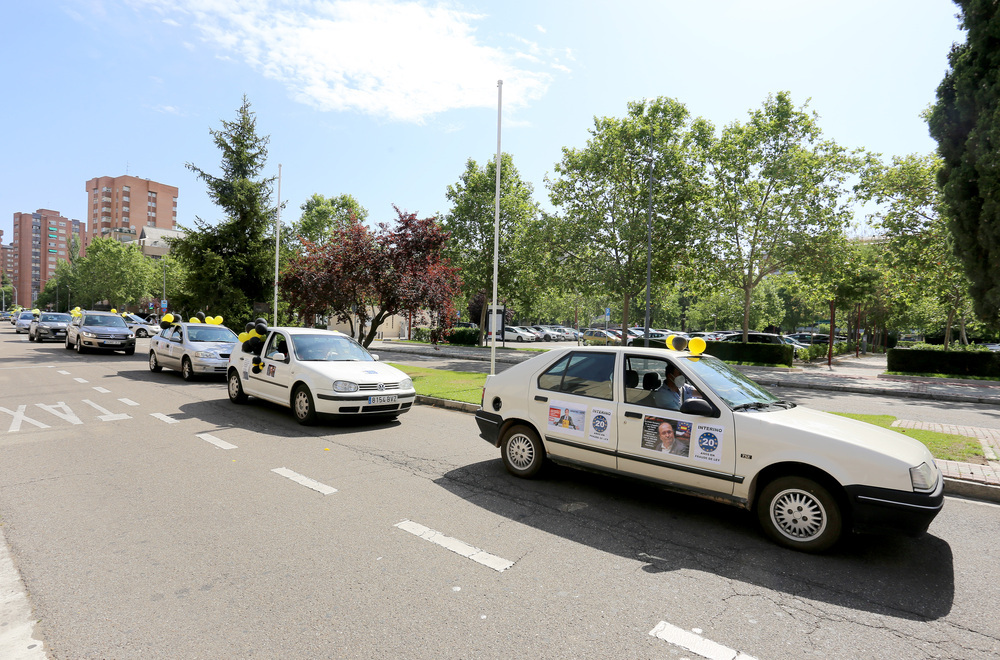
(942, 445)
(454, 385)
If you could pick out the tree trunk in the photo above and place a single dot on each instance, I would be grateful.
(947, 329)
(747, 291)
(482, 324)
(625, 321)
(963, 337)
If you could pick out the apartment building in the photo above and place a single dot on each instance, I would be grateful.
(121, 206)
(41, 240)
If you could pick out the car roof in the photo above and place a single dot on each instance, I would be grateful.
(293, 330)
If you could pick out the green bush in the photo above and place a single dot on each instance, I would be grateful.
(935, 360)
(421, 334)
(463, 336)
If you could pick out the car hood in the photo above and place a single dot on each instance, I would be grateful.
(358, 372)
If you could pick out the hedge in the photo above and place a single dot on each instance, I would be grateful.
(731, 351)
(954, 363)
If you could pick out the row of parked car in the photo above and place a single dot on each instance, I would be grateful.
(523, 333)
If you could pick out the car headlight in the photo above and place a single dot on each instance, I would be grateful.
(344, 386)
(206, 355)
(923, 477)
(88, 334)
(406, 384)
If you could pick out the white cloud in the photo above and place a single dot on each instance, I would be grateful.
(171, 22)
(403, 61)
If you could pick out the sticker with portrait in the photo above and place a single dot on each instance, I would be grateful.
(598, 428)
(708, 443)
(567, 418)
(670, 436)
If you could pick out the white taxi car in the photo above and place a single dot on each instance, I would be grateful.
(690, 423)
(317, 372)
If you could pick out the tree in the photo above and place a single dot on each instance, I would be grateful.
(470, 222)
(321, 215)
(369, 276)
(605, 193)
(964, 123)
(776, 190)
(229, 265)
(112, 271)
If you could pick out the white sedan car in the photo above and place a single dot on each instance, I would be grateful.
(192, 349)
(317, 372)
(690, 423)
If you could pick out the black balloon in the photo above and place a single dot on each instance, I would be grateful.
(200, 316)
(260, 320)
(261, 328)
(248, 327)
(164, 324)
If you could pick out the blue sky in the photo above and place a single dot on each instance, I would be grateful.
(387, 100)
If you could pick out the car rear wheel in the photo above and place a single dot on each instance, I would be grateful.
(154, 364)
(236, 393)
(302, 406)
(79, 346)
(522, 452)
(187, 370)
(799, 513)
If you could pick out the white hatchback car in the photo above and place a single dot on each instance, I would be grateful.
(318, 372)
(690, 423)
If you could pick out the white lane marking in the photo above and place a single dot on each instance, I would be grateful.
(967, 501)
(221, 444)
(62, 411)
(81, 380)
(305, 481)
(108, 416)
(19, 416)
(102, 390)
(163, 418)
(498, 564)
(128, 402)
(63, 372)
(706, 648)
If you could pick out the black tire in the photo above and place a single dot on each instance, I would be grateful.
(303, 407)
(141, 333)
(800, 514)
(79, 346)
(236, 393)
(69, 346)
(130, 350)
(520, 338)
(154, 364)
(187, 369)
(522, 452)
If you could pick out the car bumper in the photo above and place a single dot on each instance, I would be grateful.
(336, 403)
(108, 344)
(50, 334)
(489, 426)
(879, 510)
(210, 366)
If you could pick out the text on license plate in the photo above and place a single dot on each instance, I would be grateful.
(113, 341)
(385, 398)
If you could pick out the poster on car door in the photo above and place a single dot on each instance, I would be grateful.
(567, 418)
(670, 436)
(599, 424)
(707, 445)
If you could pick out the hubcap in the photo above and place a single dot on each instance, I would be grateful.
(798, 515)
(301, 404)
(234, 387)
(520, 451)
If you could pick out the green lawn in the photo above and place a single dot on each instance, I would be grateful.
(942, 445)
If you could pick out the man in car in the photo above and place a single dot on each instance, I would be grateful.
(674, 390)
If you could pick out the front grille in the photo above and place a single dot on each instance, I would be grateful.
(385, 408)
(374, 387)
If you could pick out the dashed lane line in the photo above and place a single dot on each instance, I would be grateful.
(81, 380)
(102, 390)
(305, 481)
(695, 643)
(498, 564)
(221, 444)
(163, 418)
(128, 402)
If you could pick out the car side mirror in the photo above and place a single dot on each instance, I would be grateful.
(374, 356)
(699, 407)
(279, 357)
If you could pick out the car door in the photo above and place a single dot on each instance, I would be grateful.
(657, 441)
(572, 404)
(274, 379)
(172, 349)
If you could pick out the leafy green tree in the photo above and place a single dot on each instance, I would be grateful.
(964, 123)
(112, 271)
(471, 225)
(650, 158)
(229, 266)
(322, 215)
(777, 189)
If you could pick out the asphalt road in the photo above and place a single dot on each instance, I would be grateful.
(146, 519)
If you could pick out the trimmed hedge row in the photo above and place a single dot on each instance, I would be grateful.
(731, 351)
(954, 363)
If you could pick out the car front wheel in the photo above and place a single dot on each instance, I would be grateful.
(187, 370)
(141, 333)
(799, 513)
(522, 452)
(154, 364)
(69, 345)
(302, 406)
(79, 346)
(236, 393)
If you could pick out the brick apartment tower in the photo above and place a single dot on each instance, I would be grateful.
(119, 207)
(41, 240)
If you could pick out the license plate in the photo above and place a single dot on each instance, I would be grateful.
(112, 341)
(386, 398)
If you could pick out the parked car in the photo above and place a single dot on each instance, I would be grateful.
(23, 321)
(193, 349)
(548, 334)
(809, 476)
(756, 338)
(49, 325)
(513, 333)
(140, 326)
(599, 337)
(318, 372)
(653, 334)
(100, 331)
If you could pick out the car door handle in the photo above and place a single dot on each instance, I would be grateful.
(541, 398)
(633, 414)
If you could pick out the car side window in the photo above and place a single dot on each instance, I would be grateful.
(652, 382)
(277, 345)
(583, 374)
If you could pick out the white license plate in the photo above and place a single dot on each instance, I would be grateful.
(112, 341)
(386, 398)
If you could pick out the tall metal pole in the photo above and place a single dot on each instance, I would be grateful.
(649, 240)
(496, 237)
(277, 234)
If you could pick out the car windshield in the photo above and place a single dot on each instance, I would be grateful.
(25, 315)
(329, 348)
(732, 386)
(56, 318)
(111, 321)
(206, 333)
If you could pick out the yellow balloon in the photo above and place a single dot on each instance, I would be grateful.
(697, 345)
(253, 333)
(193, 319)
(169, 318)
(243, 336)
(114, 311)
(218, 320)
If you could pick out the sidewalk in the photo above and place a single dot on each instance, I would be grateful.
(862, 375)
